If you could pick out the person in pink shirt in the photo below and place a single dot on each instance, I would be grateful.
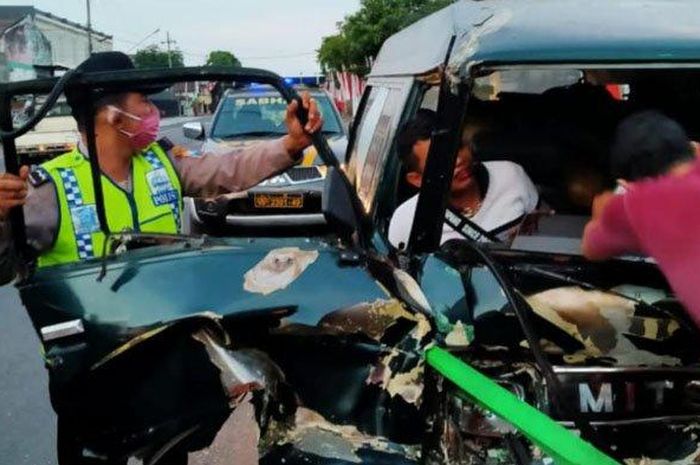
(656, 212)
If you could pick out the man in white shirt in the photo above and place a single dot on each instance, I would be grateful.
(488, 201)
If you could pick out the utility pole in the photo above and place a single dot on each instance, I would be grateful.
(168, 41)
(89, 27)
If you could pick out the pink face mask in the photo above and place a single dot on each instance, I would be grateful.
(147, 131)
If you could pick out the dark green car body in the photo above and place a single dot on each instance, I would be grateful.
(345, 336)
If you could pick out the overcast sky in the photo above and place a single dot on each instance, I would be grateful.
(275, 34)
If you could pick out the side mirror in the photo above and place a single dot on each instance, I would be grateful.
(193, 130)
(336, 203)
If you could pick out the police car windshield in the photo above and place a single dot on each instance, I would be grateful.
(252, 115)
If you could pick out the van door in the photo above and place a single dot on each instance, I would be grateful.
(384, 103)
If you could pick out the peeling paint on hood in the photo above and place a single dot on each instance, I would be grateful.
(278, 269)
(599, 321)
(374, 319)
(407, 385)
(312, 433)
(691, 459)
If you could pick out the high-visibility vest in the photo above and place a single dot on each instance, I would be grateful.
(154, 204)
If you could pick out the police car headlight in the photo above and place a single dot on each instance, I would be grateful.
(275, 181)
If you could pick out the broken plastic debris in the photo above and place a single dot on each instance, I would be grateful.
(278, 269)
(410, 290)
(239, 373)
(458, 336)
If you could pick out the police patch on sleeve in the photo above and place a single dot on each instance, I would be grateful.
(38, 176)
(162, 191)
(85, 219)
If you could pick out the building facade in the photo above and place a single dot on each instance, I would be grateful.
(34, 43)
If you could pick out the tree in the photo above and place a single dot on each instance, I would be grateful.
(334, 53)
(362, 34)
(154, 57)
(222, 58)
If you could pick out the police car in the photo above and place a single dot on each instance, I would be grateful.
(251, 114)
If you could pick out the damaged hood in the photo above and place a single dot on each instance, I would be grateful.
(229, 277)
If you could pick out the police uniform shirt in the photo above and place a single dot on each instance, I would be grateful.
(207, 175)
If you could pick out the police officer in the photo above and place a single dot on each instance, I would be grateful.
(142, 180)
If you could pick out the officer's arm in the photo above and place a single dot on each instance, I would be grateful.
(209, 175)
(41, 221)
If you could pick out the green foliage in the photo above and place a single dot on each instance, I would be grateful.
(154, 57)
(362, 34)
(222, 58)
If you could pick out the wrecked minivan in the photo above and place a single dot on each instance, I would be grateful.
(604, 348)
(343, 349)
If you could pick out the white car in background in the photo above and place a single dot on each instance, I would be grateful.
(54, 135)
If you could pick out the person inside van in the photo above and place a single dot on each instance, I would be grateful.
(488, 201)
(656, 211)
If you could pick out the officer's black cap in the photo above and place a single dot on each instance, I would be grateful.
(105, 62)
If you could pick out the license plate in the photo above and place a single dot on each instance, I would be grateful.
(624, 394)
(278, 201)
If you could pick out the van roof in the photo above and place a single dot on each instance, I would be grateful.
(545, 31)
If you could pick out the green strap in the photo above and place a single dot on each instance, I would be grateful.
(563, 446)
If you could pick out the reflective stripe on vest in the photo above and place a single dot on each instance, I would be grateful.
(154, 204)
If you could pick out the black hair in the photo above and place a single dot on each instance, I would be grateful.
(648, 144)
(421, 127)
(79, 107)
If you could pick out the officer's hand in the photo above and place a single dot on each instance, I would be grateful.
(298, 136)
(13, 191)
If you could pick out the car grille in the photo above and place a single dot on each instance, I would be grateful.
(304, 173)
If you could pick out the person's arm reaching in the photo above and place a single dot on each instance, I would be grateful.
(210, 175)
(609, 233)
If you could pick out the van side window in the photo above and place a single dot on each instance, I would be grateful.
(374, 136)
